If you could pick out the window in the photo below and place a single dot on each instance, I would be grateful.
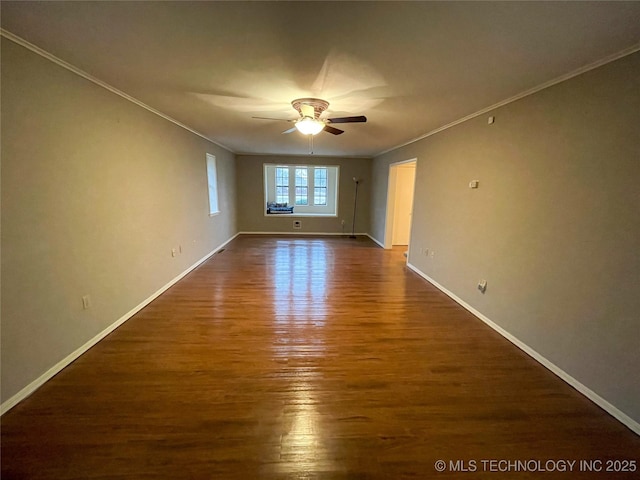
(320, 186)
(212, 177)
(302, 186)
(301, 190)
(282, 184)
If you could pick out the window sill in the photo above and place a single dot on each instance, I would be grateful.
(214, 214)
(276, 215)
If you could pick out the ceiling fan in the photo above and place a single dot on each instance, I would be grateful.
(310, 122)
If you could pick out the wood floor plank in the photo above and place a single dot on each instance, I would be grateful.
(300, 358)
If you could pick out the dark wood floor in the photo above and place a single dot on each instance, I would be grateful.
(302, 358)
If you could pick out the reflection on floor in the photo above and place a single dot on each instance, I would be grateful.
(300, 358)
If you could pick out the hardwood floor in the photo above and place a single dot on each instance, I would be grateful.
(304, 358)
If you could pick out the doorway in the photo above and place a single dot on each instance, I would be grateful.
(402, 177)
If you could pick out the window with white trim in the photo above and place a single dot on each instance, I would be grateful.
(320, 186)
(282, 184)
(302, 186)
(301, 190)
(212, 178)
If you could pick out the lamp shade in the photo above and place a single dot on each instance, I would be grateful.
(309, 126)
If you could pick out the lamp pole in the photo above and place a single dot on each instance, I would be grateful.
(355, 204)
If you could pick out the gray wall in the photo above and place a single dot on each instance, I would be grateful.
(553, 228)
(251, 203)
(96, 191)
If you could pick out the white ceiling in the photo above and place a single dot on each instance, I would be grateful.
(410, 67)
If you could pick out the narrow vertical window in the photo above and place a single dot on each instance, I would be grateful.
(302, 186)
(320, 186)
(282, 184)
(212, 177)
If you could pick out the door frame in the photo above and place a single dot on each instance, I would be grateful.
(391, 201)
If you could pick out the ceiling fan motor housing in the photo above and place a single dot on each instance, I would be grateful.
(318, 105)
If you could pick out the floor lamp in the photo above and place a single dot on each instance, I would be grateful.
(355, 204)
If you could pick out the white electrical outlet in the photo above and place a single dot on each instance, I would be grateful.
(86, 302)
(482, 286)
(173, 252)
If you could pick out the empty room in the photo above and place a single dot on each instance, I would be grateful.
(320, 240)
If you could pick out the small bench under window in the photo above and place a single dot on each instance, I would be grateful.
(274, 208)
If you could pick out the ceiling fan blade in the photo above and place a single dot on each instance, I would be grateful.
(335, 131)
(291, 130)
(308, 111)
(270, 118)
(361, 118)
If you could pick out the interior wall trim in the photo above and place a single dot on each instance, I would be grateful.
(334, 234)
(297, 155)
(375, 241)
(608, 59)
(58, 61)
(615, 412)
(314, 233)
(58, 367)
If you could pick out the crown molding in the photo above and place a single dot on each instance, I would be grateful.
(608, 59)
(611, 58)
(58, 61)
(305, 155)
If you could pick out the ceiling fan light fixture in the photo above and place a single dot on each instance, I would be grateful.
(309, 123)
(309, 126)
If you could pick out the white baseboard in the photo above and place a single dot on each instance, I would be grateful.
(337, 234)
(42, 379)
(375, 241)
(583, 389)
